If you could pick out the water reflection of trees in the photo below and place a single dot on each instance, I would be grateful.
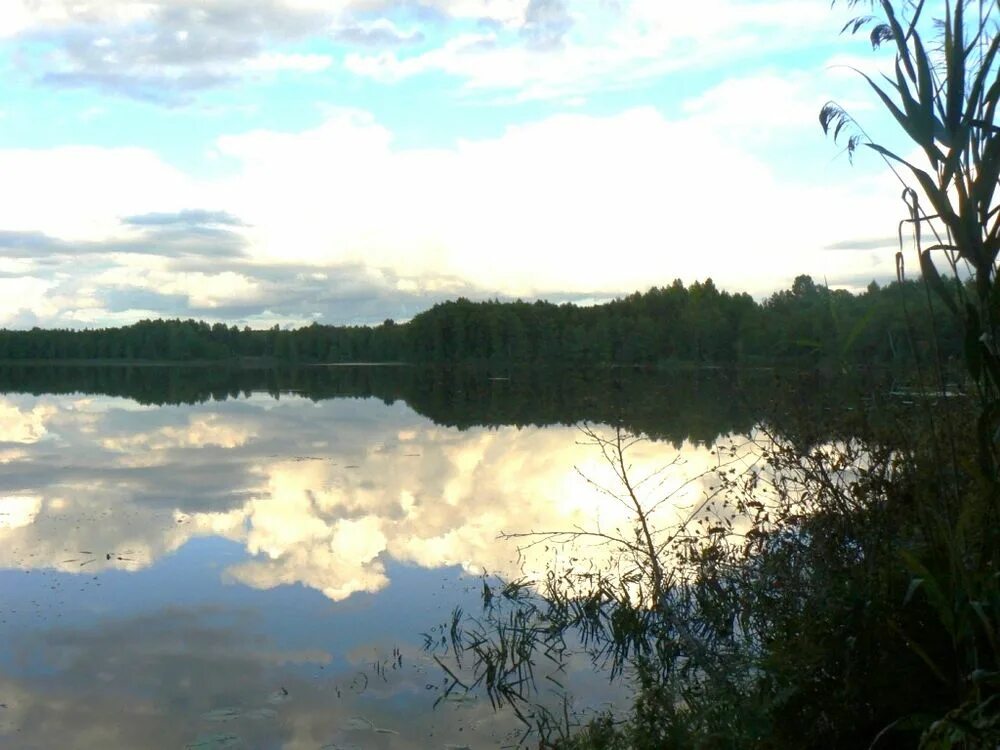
(693, 405)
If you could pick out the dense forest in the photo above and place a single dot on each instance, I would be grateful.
(693, 324)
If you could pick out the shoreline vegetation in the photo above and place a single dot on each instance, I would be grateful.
(674, 325)
(837, 585)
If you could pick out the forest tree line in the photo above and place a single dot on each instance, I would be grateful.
(672, 324)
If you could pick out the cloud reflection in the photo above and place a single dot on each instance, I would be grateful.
(22, 424)
(186, 677)
(18, 510)
(318, 494)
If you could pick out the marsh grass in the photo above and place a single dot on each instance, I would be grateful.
(820, 595)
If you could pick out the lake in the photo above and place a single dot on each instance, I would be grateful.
(207, 558)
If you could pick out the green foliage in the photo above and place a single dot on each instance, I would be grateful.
(944, 97)
(697, 324)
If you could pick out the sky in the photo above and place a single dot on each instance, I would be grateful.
(264, 162)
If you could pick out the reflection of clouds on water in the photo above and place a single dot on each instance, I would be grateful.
(336, 497)
(183, 675)
(120, 685)
(338, 558)
(18, 510)
(320, 494)
(444, 507)
(20, 424)
(201, 431)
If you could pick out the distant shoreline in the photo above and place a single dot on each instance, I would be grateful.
(240, 362)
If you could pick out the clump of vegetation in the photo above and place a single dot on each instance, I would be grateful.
(839, 587)
(823, 594)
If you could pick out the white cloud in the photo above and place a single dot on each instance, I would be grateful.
(272, 62)
(166, 50)
(717, 18)
(20, 14)
(25, 298)
(206, 290)
(80, 192)
(17, 16)
(380, 32)
(572, 203)
(607, 48)
(791, 100)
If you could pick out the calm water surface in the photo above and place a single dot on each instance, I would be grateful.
(257, 571)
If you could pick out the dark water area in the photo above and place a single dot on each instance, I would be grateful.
(225, 557)
(665, 404)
